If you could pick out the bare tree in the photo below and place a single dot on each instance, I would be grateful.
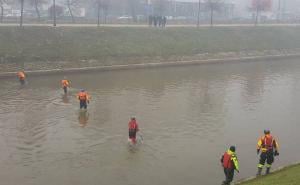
(279, 11)
(105, 6)
(98, 12)
(2, 9)
(101, 5)
(37, 4)
(71, 4)
(97, 4)
(198, 18)
(133, 7)
(258, 6)
(213, 5)
(22, 11)
(54, 13)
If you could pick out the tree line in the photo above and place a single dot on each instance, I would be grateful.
(102, 6)
(53, 8)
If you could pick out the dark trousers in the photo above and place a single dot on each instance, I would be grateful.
(83, 104)
(229, 173)
(22, 81)
(132, 133)
(266, 157)
(65, 89)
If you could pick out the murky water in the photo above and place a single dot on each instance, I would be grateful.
(188, 117)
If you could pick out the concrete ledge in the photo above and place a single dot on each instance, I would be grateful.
(151, 65)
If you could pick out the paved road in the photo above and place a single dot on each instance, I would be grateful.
(144, 26)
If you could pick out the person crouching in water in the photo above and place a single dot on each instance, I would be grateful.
(83, 98)
(65, 84)
(133, 128)
(230, 163)
(21, 76)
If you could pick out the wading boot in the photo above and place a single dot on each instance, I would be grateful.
(225, 183)
(259, 172)
(268, 171)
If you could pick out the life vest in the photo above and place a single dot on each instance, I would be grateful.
(21, 75)
(266, 143)
(227, 160)
(82, 96)
(133, 126)
(65, 83)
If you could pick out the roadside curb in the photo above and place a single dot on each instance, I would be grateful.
(150, 65)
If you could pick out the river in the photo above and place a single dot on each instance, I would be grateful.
(188, 117)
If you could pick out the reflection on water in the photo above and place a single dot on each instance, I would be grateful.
(65, 98)
(83, 117)
(188, 117)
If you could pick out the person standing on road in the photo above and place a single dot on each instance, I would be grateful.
(230, 163)
(155, 19)
(150, 21)
(164, 21)
(268, 147)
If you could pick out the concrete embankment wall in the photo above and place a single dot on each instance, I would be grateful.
(151, 65)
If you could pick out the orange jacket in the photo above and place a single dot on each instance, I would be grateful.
(133, 125)
(65, 83)
(83, 96)
(21, 75)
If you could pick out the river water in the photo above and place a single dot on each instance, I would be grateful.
(188, 117)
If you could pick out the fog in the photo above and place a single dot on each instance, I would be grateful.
(139, 11)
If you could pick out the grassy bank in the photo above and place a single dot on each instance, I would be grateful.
(47, 43)
(34, 48)
(286, 176)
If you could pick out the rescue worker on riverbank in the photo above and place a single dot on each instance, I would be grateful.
(268, 147)
(133, 128)
(230, 163)
(65, 84)
(22, 77)
(83, 98)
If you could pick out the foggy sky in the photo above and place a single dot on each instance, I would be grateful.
(242, 6)
(288, 5)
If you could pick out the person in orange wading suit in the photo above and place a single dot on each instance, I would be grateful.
(83, 98)
(133, 128)
(230, 163)
(21, 76)
(65, 84)
(269, 148)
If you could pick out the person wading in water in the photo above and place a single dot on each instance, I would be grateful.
(133, 128)
(83, 98)
(65, 85)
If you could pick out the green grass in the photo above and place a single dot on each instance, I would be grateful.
(69, 43)
(286, 176)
